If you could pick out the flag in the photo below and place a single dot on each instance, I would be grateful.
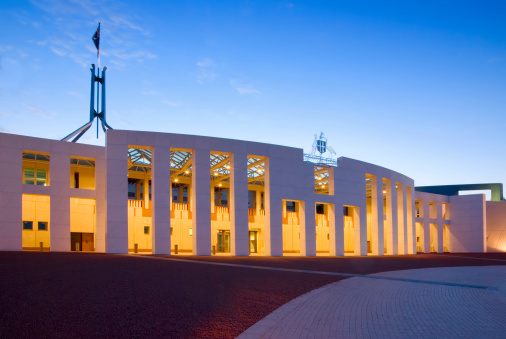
(96, 41)
(96, 38)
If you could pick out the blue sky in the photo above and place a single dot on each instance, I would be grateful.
(418, 87)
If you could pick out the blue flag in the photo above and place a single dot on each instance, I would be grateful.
(96, 37)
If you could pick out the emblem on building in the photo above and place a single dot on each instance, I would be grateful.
(320, 146)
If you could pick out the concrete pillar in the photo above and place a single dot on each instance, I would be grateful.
(360, 221)
(400, 219)
(11, 167)
(374, 215)
(379, 249)
(426, 226)
(336, 231)
(273, 206)
(411, 226)
(161, 191)
(403, 240)
(117, 192)
(238, 202)
(440, 244)
(201, 202)
(59, 172)
(308, 228)
(101, 202)
(392, 249)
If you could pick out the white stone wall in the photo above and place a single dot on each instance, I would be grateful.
(10, 192)
(12, 188)
(468, 223)
(496, 226)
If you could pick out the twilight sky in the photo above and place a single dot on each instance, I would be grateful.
(415, 86)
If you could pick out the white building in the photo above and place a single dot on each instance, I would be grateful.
(168, 193)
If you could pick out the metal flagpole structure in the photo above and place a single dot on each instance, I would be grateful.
(94, 113)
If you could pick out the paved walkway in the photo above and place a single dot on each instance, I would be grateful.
(450, 302)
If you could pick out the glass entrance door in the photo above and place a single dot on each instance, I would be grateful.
(223, 241)
(253, 241)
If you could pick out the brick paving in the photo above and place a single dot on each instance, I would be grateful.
(69, 295)
(457, 302)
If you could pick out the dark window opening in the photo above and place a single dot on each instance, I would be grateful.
(290, 206)
(42, 226)
(76, 179)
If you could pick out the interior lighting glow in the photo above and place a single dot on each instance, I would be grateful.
(384, 192)
(259, 170)
(215, 173)
(227, 167)
(219, 185)
(176, 180)
(187, 172)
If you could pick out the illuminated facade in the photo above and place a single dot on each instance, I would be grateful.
(164, 193)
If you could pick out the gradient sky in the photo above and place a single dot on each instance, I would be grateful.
(415, 86)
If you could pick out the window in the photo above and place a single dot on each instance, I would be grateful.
(35, 177)
(320, 209)
(146, 229)
(171, 230)
(42, 225)
(35, 168)
(82, 173)
(28, 225)
(191, 231)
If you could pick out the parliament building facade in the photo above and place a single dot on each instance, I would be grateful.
(162, 193)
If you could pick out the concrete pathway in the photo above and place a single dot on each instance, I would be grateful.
(450, 302)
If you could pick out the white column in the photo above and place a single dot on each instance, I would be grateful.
(101, 202)
(336, 230)
(201, 201)
(426, 226)
(379, 249)
(308, 228)
(411, 225)
(117, 192)
(161, 191)
(393, 248)
(238, 203)
(360, 229)
(440, 244)
(374, 215)
(400, 219)
(11, 167)
(404, 238)
(273, 205)
(59, 218)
